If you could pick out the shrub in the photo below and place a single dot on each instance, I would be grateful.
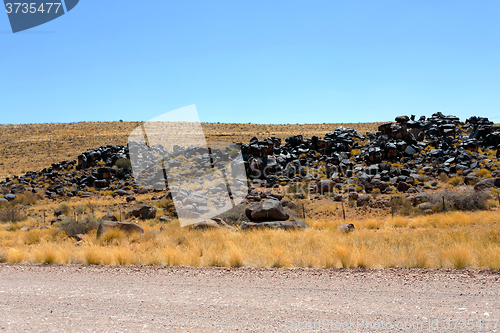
(391, 190)
(124, 163)
(65, 208)
(11, 214)
(443, 177)
(457, 180)
(26, 198)
(484, 173)
(73, 228)
(401, 205)
(163, 203)
(298, 188)
(80, 209)
(376, 193)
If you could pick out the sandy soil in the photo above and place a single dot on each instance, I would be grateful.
(54, 298)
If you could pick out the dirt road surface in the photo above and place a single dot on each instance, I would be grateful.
(56, 298)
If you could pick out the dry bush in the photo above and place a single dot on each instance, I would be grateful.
(457, 180)
(402, 205)
(124, 164)
(11, 214)
(73, 228)
(65, 208)
(443, 177)
(484, 173)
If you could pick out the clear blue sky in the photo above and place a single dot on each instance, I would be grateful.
(254, 61)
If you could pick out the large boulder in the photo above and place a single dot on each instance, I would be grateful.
(215, 223)
(268, 210)
(403, 187)
(381, 185)
(145, 212)
(10, 197)
(325, 186)
(487, 183)
(426, 206)
(285, 225)
(363, 200)
(471, 178)
(125, 226)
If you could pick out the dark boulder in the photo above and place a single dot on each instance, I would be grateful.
(403, 187)
(324, 186)
(487, 183)
(363, 200)
(285, 225)
(268, 210)
(215, 223)
(109, 217)
(145, 212)
(10, 197)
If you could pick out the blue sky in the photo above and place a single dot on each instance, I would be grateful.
(254, 61)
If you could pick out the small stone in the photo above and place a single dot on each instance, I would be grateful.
(346, 228)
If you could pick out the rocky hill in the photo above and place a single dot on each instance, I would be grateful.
(36, 146)
(408, 156)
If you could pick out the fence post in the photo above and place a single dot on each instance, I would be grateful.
(392, 211)
(444, 207)
(343, 210)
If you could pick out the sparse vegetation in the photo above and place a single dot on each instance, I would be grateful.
(11, 214)
(124, 164)
(73, 228)
(455, 239)
(457, 180)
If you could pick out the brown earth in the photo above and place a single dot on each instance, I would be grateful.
(78, 298)
(33, 147)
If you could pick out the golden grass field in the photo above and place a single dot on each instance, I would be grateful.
(445, 240)
(33, 147)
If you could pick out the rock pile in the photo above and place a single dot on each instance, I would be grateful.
(94, 170)
(397, 157)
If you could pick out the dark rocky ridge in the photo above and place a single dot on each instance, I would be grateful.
(402, 155)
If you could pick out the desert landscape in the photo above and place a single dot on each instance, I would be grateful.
(410, 193)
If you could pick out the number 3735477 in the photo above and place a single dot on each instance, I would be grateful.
(32, 8)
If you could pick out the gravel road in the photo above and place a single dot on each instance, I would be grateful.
(57, 298)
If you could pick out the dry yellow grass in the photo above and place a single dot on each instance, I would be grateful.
(37, 146)
(455, 239)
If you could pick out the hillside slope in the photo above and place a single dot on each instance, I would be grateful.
(36, 146)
